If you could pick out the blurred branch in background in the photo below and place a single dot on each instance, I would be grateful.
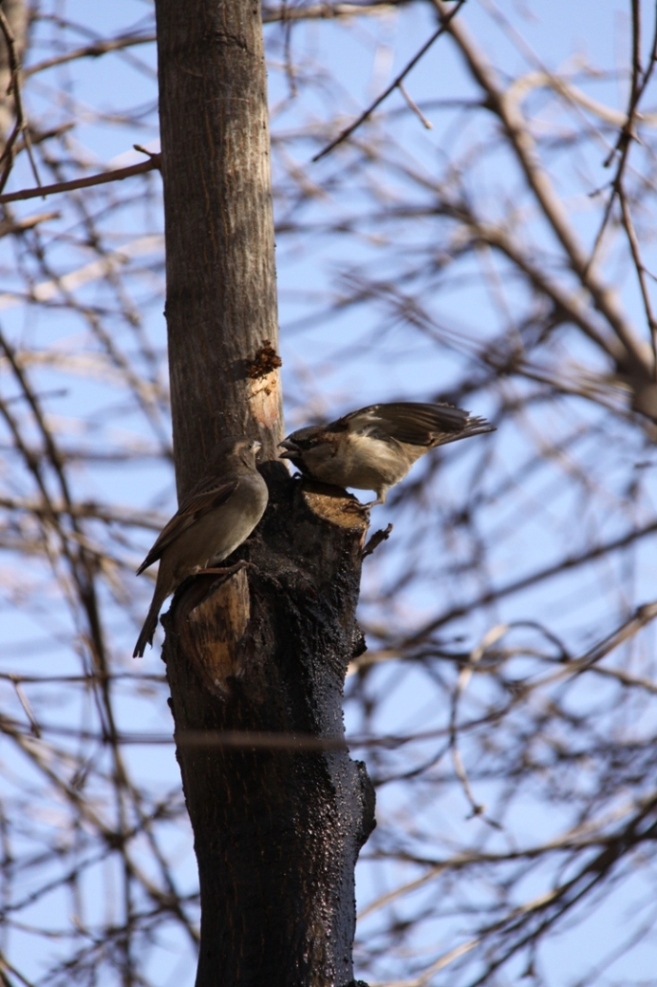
(503, 260)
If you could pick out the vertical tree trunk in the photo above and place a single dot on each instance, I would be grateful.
(221, 277)
(256, 664)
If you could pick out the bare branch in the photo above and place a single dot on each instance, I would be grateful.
(445, 19)
(118, 175)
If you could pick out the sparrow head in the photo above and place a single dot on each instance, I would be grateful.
(303, 439)
(296, 445)
(238, 450)
(290, 450)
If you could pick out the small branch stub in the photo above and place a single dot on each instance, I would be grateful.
(379, 536)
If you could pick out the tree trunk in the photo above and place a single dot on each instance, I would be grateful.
(256, 664)
(221, 304)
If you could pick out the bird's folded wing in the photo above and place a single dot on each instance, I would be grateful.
(409, 422)
(199, 502)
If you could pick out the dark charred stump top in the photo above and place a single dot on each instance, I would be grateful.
(279, 817)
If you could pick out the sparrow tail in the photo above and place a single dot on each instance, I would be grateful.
(472, 426)
(150, 625)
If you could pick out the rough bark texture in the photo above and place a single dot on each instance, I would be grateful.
(278, 822)
(278, 829)
(221, 278)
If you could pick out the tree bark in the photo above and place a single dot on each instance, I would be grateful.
(277, 828)
(221, 305)
(256, 662)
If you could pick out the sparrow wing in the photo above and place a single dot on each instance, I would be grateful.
(201, 500)
(412, 422)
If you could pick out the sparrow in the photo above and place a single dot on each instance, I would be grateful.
(215, 518)
(374, 448)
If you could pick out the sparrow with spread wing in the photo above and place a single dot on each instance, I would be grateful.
(374, 448)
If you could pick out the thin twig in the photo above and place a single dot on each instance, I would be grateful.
(102, 179)
(8, 227)
(326, 11)
(91, 51)
(416, 109)
(445, 20)
(21, 123)
(521, 142)
(465, 675)
(626, 134)
(628, 226)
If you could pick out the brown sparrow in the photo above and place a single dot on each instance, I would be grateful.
(374, 448)
(218, 514)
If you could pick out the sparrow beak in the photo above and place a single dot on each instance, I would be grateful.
(290, 449)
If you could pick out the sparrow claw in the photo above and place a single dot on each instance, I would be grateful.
(227, 571)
